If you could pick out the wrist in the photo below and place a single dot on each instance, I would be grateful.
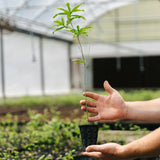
(122, 152)
(125, 153)
(125, 110)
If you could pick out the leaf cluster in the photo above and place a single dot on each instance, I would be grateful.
(66, 23)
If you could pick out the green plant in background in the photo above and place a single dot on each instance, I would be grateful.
(66, 23)
(68, 155)
(39, 138)
(43, 139)
(73, 99)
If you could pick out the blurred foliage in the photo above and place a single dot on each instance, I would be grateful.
(74, 99)
(42, 101)
(39, 138)
(45, 139)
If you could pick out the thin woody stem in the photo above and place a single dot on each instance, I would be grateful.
(84, 69)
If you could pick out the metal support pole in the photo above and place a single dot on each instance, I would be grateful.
(42, 67)
(70, 65)
(136, 32)
(2, 64)
(117, 39)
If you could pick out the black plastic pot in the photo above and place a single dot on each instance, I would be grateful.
(89, 134)
(84, 158)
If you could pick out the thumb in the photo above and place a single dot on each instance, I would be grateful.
(108, 88)
(94, 148)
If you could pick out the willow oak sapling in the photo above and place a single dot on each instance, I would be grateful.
(66, 23)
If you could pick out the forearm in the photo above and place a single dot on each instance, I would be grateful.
(144, 110)
(147, 146)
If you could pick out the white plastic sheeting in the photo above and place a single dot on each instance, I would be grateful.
(120, 49)
(36, 15)
(22, 67)
(22, 76)
(56, 67)
(22, 63)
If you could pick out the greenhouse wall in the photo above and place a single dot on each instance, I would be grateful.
(138, 21)
(122, 35)
(142, 51)
(33, 65)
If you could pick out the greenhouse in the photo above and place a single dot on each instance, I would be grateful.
(52, 52)
(124, 39)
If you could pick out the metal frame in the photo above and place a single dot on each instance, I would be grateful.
(44, 10)
(2, 64)
(21, 6)
(42, 66)
(89, 11)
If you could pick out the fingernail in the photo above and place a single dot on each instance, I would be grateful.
(106, 82)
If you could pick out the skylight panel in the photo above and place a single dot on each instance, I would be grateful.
(41, 2)
(40, 12)
(27, 13)
(10, 3)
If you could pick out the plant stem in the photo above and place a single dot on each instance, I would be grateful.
(84, 70)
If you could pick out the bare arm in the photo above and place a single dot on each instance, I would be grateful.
(147, 146)
(148, 111)
(113, 106)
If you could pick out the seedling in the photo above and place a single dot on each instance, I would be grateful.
(66, 23)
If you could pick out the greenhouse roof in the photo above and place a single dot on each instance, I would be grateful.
(37, 15)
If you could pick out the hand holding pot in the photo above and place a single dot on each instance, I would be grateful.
(107, 107)
(109, 151)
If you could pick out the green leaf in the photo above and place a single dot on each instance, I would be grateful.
(78, 28)
(62, 9)
(69, 27)
(42, 157)
(62, 19)
(78, 16)
(74, 36)
(87, 27)
(57, 21)
(60, 28)
(68, 6)
(83, 30)
(84, 33)
(56, 25)
(72, 31)
(78, 61)
(55, 15)
(76, 7)
(59, 14)
(79, 10)
(82, 62)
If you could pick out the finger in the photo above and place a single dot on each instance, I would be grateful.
(89, 109)
(91, 95)
(89, 103)
(108, 88)
(94, 148)
(92, 154)
(95, 118)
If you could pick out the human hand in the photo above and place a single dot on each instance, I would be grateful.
(109, 151)
(107, 107)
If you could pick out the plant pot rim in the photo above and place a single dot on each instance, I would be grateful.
(85, 125)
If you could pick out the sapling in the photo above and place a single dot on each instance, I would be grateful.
(66, 23)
